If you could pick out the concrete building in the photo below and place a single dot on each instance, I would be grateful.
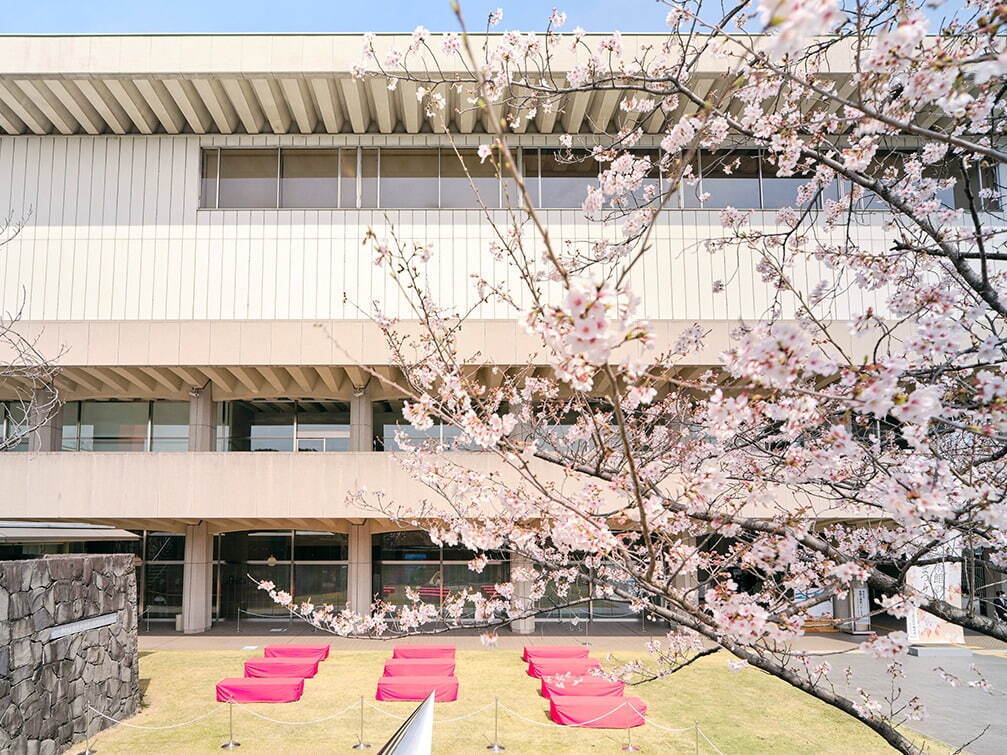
(191, 259)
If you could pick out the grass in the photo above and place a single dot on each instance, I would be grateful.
(744, 712)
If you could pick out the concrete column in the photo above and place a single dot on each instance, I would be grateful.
(197, 579)
(202, 420)
(45, 416)
(361, 420)
(359, 591)
(522, 595)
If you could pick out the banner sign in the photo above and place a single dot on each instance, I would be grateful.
(942, 581)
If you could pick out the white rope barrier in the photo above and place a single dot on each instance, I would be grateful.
(649, 721)
(294, 723)
(710, 742)
(155, 728)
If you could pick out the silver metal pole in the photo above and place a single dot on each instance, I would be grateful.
(230, 744)
(496, 746)
(629, 746)
(696, 725)
(361, 744)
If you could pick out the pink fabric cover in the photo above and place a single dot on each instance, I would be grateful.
(419, 667)
(274, 689)
(598, 712)
(412, 688)
(424, 651)
(319, 652)
(581, 686)
(536, 652)
(554, 666)
(289, 667)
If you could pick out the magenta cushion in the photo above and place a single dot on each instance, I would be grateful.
(536, 652)
(597, 712)
(274, 689)
(423, 651)
(290, 667)
(412, 688)
(320, 652)
(581, 686)
(554, 666)
(419, 667)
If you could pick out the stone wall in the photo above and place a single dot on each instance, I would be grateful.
(47, 683)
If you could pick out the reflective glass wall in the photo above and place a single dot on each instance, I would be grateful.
(125, 426)
(313, 426)
(310, 565)
(404, 560)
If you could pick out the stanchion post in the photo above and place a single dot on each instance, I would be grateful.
(496, 746)
(629, 746)
(695, 725)
(230, 744)
(361, 744)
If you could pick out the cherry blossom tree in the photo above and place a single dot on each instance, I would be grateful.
(862, 417)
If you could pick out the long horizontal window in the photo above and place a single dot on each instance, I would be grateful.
(283, 426)
(443, 178)
(126, 426)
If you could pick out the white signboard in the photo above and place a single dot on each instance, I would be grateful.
(84, 625)
(942, 581)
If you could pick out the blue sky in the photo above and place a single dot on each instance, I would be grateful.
(133, 16)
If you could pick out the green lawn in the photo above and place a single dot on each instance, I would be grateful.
(745, 712)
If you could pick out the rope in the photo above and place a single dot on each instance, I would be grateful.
(384, 712)
(709, 742)
(585, 723)
(651, 722)
(462, 718)
(154, 728)
(295, 723)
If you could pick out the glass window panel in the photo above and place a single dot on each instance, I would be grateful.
(323, 426)
(239, 590)
(565, 184)
(260, 426)
(248, 178)
(113, 425)
(70, 418)
(320, 583)
(457, 190)
(309, 178)
(320, 546)
(208, 183)
(392, 580)
(782, 192)
(458, 577)
(348, 177)
(170, 430)
(410, 545)
(165, 546)
(530, 172)
(409, 178)
(15, 427)
(162, 594)
(264, 545)
(369, 178)
(731, 179)
(556, 603)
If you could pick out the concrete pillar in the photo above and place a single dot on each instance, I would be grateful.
(522, 595)
(202, 420)
(197, 579)
(45, 416)
(359, 591)
(361, 420)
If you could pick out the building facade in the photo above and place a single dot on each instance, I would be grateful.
(187, 216)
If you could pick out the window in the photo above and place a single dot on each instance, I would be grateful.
(319, 426)
(13, 427)
(410, 560)
(126, 426)
(409, 178)
(309, 178)
(247, 178)
(730, 179)
(562, 183)
(457, 189)
(389, 421)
